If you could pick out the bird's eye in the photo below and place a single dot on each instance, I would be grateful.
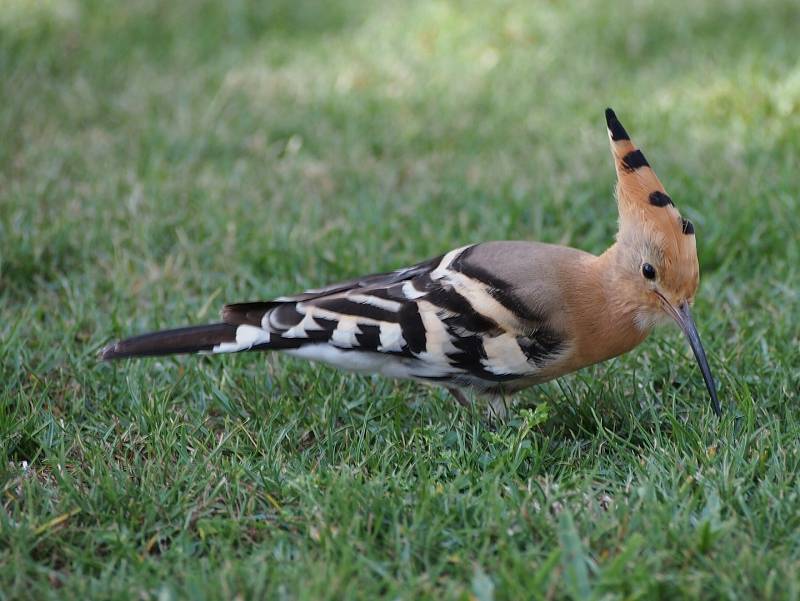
(649, 271)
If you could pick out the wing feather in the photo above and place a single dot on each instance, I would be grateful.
(441, 320)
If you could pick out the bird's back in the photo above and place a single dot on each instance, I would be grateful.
(488, 316)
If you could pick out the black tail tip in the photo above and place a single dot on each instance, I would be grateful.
(615, 127)
(109, 352)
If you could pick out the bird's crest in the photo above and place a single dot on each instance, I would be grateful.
(647, 214)
(640, 195)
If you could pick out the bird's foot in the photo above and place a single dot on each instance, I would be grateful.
(496, 409)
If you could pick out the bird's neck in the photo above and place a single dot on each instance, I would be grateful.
(605, 316)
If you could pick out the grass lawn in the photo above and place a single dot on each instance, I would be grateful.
(158, 159)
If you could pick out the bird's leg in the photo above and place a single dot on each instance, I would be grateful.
(460, 397)
(497, 409)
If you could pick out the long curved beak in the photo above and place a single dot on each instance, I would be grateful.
(683, 317)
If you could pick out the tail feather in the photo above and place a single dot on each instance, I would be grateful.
(247, 313)
(168, 342)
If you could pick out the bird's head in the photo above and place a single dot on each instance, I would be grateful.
(656, 250)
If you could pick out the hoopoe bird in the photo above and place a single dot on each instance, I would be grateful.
(494, 317)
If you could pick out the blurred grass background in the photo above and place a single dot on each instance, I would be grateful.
(160, 159)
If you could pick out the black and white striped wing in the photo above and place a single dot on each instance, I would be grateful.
(442, 320)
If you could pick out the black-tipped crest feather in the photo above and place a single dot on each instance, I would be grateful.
(615, 127)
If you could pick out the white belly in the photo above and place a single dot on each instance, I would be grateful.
(358, 361)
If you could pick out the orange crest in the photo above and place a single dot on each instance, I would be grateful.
(647, 216)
